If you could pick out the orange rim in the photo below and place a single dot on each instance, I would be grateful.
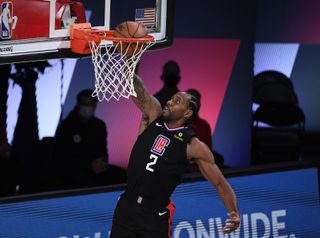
(81, 34)
(93, 35)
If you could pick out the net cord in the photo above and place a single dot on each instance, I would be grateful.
(114, 68)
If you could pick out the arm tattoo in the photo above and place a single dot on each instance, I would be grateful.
(141, 91)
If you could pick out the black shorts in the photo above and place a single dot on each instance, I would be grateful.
(132, 219)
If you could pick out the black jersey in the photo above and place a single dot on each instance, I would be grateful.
(158, 160)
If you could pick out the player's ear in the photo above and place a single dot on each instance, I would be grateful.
(188, 113)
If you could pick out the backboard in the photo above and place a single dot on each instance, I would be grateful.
(33, 30)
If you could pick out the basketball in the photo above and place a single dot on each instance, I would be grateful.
(129, 29)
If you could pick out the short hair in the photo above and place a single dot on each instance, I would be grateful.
(194, 104)
(86, 93)
(196, 94)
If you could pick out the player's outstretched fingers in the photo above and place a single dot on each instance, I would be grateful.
(232, 223)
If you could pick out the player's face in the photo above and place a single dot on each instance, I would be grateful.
(177, 107)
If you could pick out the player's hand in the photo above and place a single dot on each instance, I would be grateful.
(232, 223)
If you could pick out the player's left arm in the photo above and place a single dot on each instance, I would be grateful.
(148, 104)
(202, 155)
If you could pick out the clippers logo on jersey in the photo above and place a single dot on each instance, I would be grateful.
(160, 144)
(8, 21)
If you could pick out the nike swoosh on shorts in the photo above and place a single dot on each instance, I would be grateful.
(162, 213)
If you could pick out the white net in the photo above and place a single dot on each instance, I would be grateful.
(114, 67)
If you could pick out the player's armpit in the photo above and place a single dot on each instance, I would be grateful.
(144, 123)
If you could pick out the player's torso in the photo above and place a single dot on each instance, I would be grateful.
(158, 160)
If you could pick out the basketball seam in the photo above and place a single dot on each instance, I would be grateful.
(128, 29)
(133, 35)
(121, 33)
(138, 29)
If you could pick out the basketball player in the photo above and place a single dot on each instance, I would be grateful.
(6, 17)
(158, 159)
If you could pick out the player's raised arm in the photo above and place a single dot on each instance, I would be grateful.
(148, 104)
(205, 161)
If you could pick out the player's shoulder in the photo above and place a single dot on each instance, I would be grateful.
(196, 147)
(189, 134)
(156, 122)
(195, 142)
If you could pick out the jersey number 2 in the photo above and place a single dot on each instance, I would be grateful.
(154, 159)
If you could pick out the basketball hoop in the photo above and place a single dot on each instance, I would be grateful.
(114, 59)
